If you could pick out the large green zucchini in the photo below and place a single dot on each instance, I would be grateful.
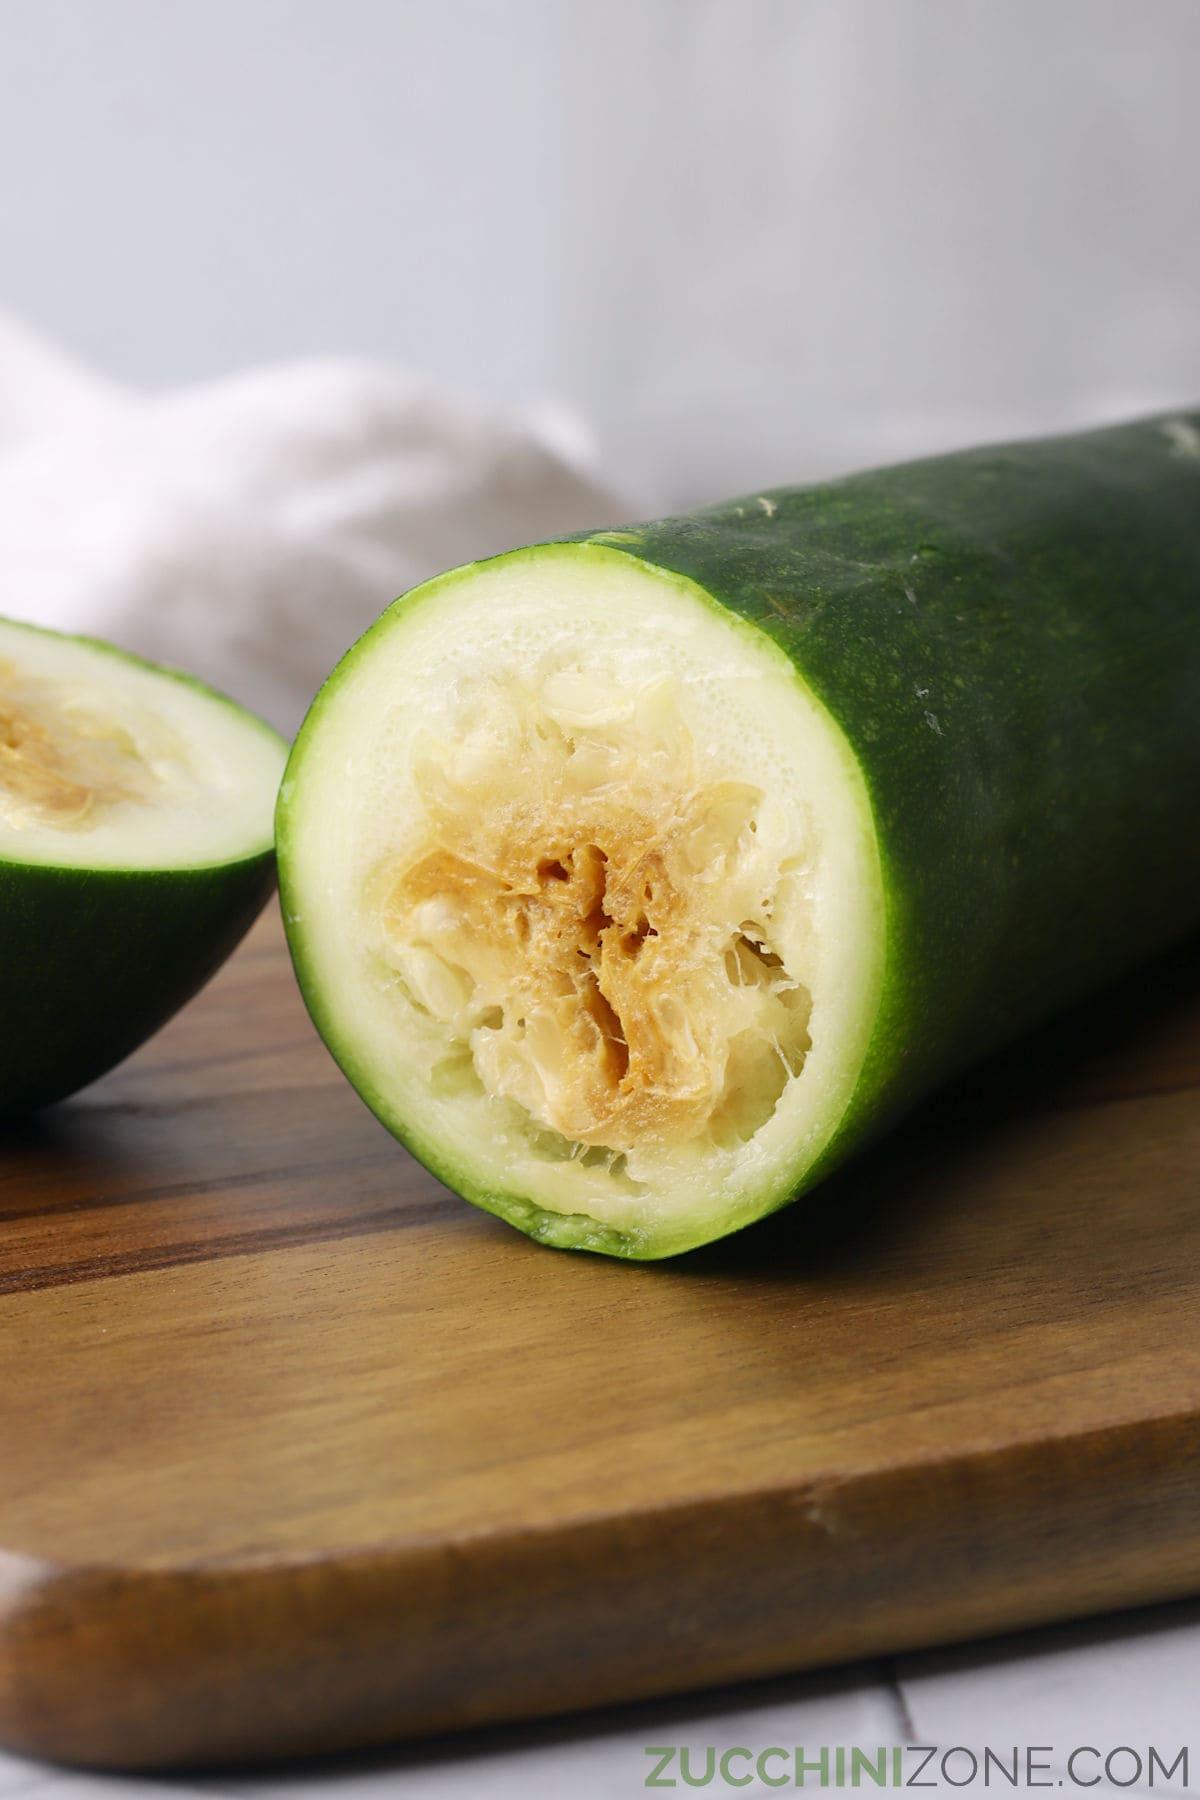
(906, 761)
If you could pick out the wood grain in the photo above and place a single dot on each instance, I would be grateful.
(301, 1452)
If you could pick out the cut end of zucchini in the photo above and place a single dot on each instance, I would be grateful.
(583, 892)
(107, 762)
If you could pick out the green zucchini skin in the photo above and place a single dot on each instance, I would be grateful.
(94, 961)
(1009, 638)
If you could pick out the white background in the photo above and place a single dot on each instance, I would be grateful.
(749, 240)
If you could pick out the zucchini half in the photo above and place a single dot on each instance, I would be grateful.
(636, 880)
(135, 851)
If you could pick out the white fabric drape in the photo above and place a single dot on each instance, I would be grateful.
(249, 529)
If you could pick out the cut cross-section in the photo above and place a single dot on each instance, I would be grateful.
(582, 889)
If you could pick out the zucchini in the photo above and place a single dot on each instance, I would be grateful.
(636, 880)
(135, 851)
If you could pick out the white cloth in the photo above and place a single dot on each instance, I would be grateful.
(250, 529)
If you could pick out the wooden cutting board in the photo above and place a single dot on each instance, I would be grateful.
(298, 1451)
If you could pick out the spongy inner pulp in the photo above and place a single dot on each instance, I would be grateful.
(65, 759)
(591, 917)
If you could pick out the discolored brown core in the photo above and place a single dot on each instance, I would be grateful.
(595, 971)
(60, 763)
